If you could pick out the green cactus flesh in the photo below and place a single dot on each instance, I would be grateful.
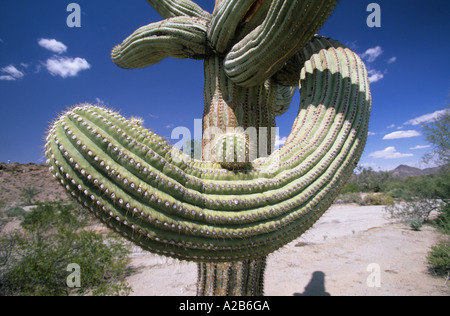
(152, 194)
(243, 200)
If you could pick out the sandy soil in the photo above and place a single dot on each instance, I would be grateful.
(350, 251)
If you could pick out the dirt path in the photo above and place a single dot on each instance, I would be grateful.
(350, 251)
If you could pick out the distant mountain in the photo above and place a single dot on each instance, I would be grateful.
(404, 171)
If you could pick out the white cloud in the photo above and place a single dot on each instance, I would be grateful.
(53, 45)
(153, 116)
(280, 141)
(402, 134)
(392, 60)
(372, 53)
(389, 153)
(371, 133)
(420, 147)
(11, 73)
(375, 75)
(391, 126)
(7, 78)
(425, 118)
(66, 67)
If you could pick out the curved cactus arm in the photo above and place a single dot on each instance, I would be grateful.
(178, 37)
(289, 26)
(173, 8)
(132, 180)
(227, 17)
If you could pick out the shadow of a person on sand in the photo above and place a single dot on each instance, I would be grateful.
(315, 287)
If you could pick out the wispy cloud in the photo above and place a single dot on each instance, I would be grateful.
(425, 118)
(389, 153)
(153, 116)
(66, 66)
(420, 147)
(11, 73)
(52, 45)
(402, 134)
(392, 60)
(375, 75)
(372, 54)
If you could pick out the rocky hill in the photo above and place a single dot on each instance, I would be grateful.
(404, 171)
(16, 179)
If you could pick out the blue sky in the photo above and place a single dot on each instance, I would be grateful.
(46, 66)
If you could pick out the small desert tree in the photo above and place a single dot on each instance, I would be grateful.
(437, 133)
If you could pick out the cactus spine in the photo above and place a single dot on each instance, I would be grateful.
(226, 216)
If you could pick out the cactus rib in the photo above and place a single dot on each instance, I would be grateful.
(173, 8)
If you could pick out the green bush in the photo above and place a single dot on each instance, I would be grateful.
(350, 187)
(415, 223)
(28, 194)
(15, 212)
(35, 261)
(442, 222)
(378, 199)
(439, 258)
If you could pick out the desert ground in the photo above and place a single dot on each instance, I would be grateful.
(351, 250)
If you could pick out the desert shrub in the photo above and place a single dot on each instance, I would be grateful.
(421, 196)
(348, 198)
(415, 223)
(34, 261)
(407, 211)
(28, 194)
(442, 222)
(439, 258)
(369, 180)
(350, 187)
(378, 199)
(15, 212)
(425, 187)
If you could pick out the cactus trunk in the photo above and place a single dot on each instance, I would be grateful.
(244, 278)
(229, 109)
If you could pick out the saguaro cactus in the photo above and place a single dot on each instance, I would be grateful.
(227, 215)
